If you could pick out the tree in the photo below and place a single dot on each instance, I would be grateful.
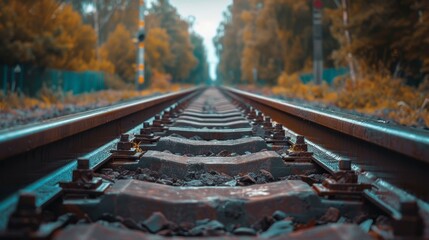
(393, 41)
(229, 42)
(158, 51)
(269, 37)
(200, 73)
(163, 15)
(45, 34)
(121, 52)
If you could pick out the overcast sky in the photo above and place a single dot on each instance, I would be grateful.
(208, 15)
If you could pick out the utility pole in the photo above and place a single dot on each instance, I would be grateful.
(97, 29)
(348, 36)
(255, 75)
(140, 51)
(317, 41)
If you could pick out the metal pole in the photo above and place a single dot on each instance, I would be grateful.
(20, 79)
(255, 75)
(97, 29)
(12, 84)
(5, 79)
(140, 52)
(348, 36)
(317, 41)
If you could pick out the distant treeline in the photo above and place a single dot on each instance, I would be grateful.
(60, 34)
(275, 36)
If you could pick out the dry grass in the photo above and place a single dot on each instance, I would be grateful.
(379, 96)
(48, 99)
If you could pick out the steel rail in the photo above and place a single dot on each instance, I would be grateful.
(31, 152)
(47, 191)
(46, 188)
(410, 142)
(13, 142)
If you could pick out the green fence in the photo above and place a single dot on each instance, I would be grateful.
(329, 74)
(30, 80)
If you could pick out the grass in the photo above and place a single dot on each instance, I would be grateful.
(48, 99)
(379, 96)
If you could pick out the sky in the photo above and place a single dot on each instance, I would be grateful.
(208, 15)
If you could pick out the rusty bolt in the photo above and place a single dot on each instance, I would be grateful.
(268, 123)
(300, 145)
(278, 136)
(82, 170)
(411, 223)
(409, 207)
(125, 137)
(345, 165)
(300, 139)
(26, 215)
(83, 163)
(146, 131)
(278, 127)
(27, 200)
(124, 142)
(259, 118)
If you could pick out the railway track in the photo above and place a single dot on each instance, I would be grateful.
(206, 162)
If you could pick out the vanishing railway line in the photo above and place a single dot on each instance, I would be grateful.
(213, 162)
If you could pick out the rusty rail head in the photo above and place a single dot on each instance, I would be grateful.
(410, 142)
(16, 141)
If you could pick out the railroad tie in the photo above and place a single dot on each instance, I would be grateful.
(212, 165)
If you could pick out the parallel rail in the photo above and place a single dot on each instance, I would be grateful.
(31, 152)
(21, 140)
(93, 136)
(407, 141)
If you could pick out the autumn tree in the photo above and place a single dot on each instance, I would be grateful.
(121, 52)
(60, 34)
(158, 53)
(229, 42)
(200, 73)
(388, 37)
(258, 40)
(107, 13)
(45, 33)
(163, 15)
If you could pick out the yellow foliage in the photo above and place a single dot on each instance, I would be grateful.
(247, 16)
(121, 52)
(291, 86)
(174, 41)
(56, 99)
(377, 95)
(160, 80)
(158, 53)
(45, 33)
